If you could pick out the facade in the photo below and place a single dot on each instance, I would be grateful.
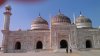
(61, 34)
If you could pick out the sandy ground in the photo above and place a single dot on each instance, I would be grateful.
(46, 53)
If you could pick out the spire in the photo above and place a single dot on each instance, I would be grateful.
(80, 13)
(39, 14)
(59, 11)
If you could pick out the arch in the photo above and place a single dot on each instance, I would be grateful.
(18, 46)
(63, 44)
(39, 45)
(88, 44)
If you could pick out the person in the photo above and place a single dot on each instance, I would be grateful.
(66, 50)
(70, 50)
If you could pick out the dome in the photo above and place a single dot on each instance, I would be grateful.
(83, 19)
(8, 7)
(60, 18)
(39, 20)
(83, 22)
(39, 23)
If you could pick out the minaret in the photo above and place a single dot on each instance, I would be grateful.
(74, 18)
(7, 15)
(5, 31)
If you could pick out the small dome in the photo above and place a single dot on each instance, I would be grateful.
(83, 22)
(8, 7)
(61, 18)
(39, 20)
(39, 24)
(83, 19)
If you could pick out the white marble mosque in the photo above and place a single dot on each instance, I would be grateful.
(61, 34)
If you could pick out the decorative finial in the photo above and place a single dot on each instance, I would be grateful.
(59, 11)
(39, 14)
(80, 13)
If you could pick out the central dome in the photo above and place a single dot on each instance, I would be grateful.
(60, 19)
(39, 24)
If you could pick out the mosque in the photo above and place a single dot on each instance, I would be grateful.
(61, 34)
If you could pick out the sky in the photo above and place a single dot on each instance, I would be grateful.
(23, 14)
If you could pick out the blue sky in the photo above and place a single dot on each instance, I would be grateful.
(23, 14)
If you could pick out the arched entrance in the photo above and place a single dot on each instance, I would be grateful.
(88, 44)
(18, 46)
(63, 44)
(39, 45)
